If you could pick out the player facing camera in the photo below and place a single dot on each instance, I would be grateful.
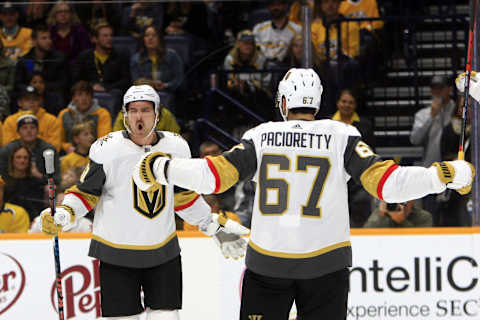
(141, 105)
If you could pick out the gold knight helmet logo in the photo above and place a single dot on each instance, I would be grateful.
(255, 317)
(149, 203)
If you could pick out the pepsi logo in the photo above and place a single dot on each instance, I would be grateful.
(12, 281)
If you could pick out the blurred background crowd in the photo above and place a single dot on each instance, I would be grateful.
(387, 67)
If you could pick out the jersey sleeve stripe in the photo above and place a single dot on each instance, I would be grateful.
(85, 202)
(374, 177)
(89, 200)
(226, 174)
(184, 199)
(215, 174)
(384, 178)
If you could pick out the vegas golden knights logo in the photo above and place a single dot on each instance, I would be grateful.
(149, 204)
(255, 317)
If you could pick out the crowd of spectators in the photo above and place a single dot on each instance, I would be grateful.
(62, 78)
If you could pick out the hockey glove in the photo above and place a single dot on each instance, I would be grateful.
(149, 172)
(222, 223)
(231, 245)
(456, 175)
(474, 90)
(63, 220)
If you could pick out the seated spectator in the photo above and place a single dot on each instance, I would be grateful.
(250, 88)
(274, 36)
(156, 62)
(347, 106)
(81, 224)
(27, 125)
(141, 15)
(166, 119)
(44, 60)
(106, 68)
(16, 39)
(399, 215)
(359, 201)
(295, 13)
(349, 70)
(13, 218)
(52, 101)
(29, 101)
(83, 136)
(36, 13)
(68, 34)
(82, 108)
(362, 9)
(24, 183)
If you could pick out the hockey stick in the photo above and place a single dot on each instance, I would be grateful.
(48, 156)
(473, 24)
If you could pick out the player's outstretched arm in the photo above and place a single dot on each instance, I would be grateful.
(474, 90)
(407, 183)
(387, 181)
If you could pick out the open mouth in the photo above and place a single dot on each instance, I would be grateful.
(140, 126)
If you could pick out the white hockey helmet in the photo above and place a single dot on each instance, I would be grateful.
(142, 92)
(301, 88)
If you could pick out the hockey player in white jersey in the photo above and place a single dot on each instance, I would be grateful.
(134, 233)
(299, 248)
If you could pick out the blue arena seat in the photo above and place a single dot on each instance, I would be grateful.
(107, 101)
(183, 46)
(126, 44)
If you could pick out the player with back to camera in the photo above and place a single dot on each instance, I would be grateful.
(299, 248)
(134, 233)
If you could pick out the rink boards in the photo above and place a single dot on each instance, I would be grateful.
(397, 274)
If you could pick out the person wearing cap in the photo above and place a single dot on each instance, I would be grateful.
(17, 40)
(274, 36)
(430, 121)
(427, 131)
(27, 128)
(29, 101)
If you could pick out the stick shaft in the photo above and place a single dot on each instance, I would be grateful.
(468, 70)
(56, 251)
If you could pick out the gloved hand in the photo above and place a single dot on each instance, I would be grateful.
(474, 90)
(63, 220)
(222, 223)
(231, 245)
(149, 172)
(457, 175)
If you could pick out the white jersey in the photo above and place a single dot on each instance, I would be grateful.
(300, 223)
(131, 227)
(274, 41)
